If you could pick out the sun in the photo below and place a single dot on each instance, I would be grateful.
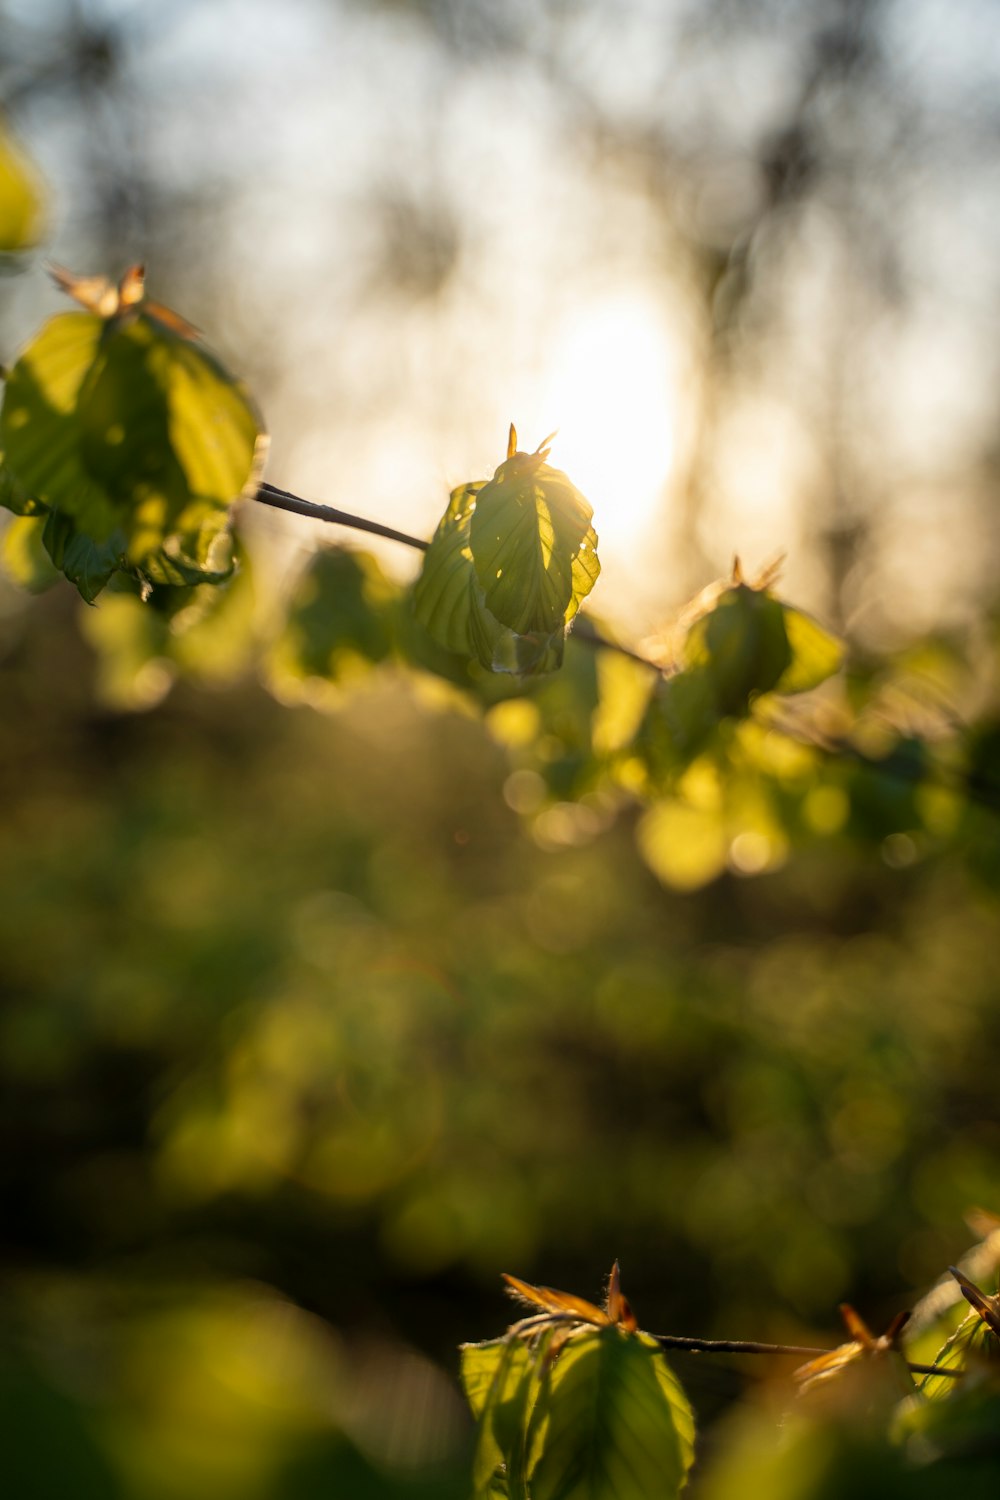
(611, 389)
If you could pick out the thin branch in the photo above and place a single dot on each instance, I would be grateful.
(269, 494)
(745, 1346)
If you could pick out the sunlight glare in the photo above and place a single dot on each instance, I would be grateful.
(611, 389)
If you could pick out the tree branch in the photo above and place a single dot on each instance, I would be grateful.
(269, 494)
(745, 1346)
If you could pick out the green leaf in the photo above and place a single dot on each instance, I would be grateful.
(339, 622)
(88, 564)
(39, 427)
(22, 198)
(500, 1380)
(14, 497)
(742, 646)
(615, 1423)
(972, 1342)
(816, 654)
(450, 603)
(446, 597)
(957, 1439)
(144, 635)
(533, 547)
(24, 556)
(126, 425)
(680, 719)
(479, 1368)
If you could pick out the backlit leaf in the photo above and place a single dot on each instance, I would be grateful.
(504, 1412)
(450, 603)
(816, 654)
(533, 547)
(122, 421)
(614, 1424)
(742, 646)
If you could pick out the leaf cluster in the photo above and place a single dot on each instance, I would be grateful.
(575, 1402)
(124, 445)
(509, 565)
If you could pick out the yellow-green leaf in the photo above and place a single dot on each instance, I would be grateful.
(127, 424)
(816, 654)
(450, 603)
(613, 1422)
(25, 559)
(532, 544)
(22, 198)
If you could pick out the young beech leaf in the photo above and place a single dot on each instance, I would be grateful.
(450, 603)
(501, 1380)
(745, 642)
(742, 647)
(613, 1422)
(533, 547)
(117, 418)
(575, 1404)
(86, 563)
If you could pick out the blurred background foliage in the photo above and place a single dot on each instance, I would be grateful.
(329, 994)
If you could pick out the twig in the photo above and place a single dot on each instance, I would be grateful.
(745, 1346)
(269, 494)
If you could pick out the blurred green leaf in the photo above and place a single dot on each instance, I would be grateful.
(22, 198)
(816, 654)
(956, 1440)
(680, 719)
(86, 563)
(741, 645)
(14, 497)
(339, 620)
(25, 557)
(144, 635)
(973, 1342)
